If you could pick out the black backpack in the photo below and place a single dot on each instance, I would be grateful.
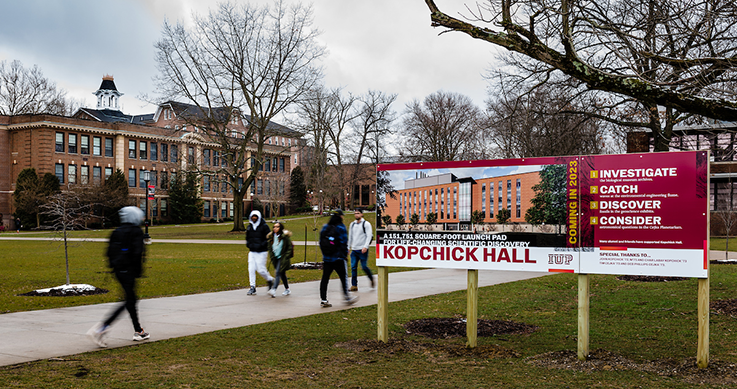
(329, 243)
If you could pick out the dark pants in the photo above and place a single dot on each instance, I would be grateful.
(356, 256)
(128, 282)
(279, 275)
(327, 270)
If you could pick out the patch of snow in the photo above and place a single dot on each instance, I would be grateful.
(77, 287)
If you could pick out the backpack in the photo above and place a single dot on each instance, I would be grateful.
(329, 243)
(364, 231)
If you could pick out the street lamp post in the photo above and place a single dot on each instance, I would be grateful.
(146, 179)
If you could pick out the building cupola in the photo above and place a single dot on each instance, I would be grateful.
(108, 95)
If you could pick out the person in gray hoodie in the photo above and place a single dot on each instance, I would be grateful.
(126, 253)
(258, 247)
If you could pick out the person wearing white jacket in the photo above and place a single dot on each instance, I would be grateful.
(359, 239)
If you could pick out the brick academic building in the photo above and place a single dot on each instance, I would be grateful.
(454, 199)
(91, 144)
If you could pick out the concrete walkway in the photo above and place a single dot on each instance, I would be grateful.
(53, 333)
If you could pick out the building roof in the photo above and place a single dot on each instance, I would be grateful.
(114, 116)
(193, 111)
(108, 84)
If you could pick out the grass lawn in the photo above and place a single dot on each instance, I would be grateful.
(642, 322)
(171, 270)
(300, 226)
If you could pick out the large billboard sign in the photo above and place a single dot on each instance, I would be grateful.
(638, 214)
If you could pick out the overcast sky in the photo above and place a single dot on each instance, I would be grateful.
(385, 45)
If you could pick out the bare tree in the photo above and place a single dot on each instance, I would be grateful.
(679, 54)
(26, 91)
(245, 62)
(67, 211)
(444, 127)
(539, 123)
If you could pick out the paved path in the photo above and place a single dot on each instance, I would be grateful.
(51, 333)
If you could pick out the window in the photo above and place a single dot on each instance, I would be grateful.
(164, 185)
(268, 188)
(164, 156)
(164, 209)
(491, 200)
(96, 146)
(483, 200)
(206, 183)
(499, 197)
(260, 187)
(174, 152)
(216, 158)
(132, 178)
(509, 196)
(141, 182)
(281, 164)
(96, 175)
(108, 147)
(190, 155)
(281, 188)
(84, 144)
(275, 167)
(365, 196)
(267, 164)
(142, 150)
(207, 208)
(519, 198)
(154, 178)
(154, 151)
(72, 174)
(72, 144)
(59, 142)
(132, 149)
(108, 172)
(206, 157)
(59, 172)
(464, 202)
(224, 209)
(154, 208)
(84, 175)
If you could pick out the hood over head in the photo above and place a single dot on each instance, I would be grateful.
(131, 215)
(258, 222)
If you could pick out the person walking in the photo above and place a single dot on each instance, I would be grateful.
(359, 239)
(258, 248)
(125, 254)
(17, 225)
(281, 251)
(333, 244)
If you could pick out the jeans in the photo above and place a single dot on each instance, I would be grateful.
(357, 255)
(327, 270)
(128, 282)
(280, 276)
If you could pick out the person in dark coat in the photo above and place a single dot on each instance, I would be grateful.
(258, 247)
(335, 261)
(126, 253)
(281, 252)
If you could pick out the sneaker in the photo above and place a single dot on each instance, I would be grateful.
(143, 335)
(354, 288)
(373, 284)
(325, 304)
(97, 334)
(286, 292)
(350, 300)
(272, 293)
(251, 291)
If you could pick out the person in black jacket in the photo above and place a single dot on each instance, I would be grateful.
(125, 255)
(258, 247)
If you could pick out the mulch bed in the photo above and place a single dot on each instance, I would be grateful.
(650, 278)
(725, 307)
(444, 328)
(66, 292)
(602, 360)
